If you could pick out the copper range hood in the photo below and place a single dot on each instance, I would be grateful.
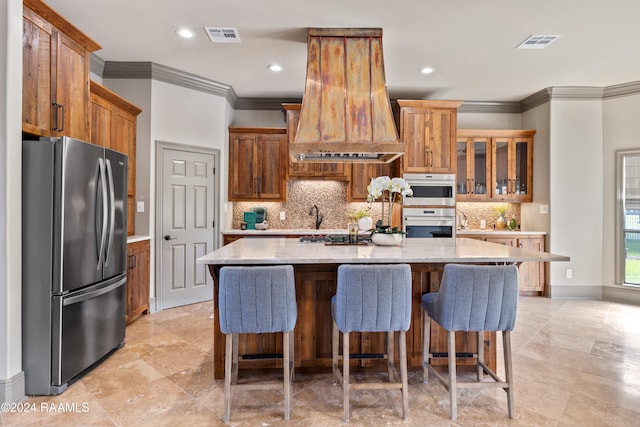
(346, 114)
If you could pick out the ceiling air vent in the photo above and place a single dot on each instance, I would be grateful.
(223, 34)
(537, 42)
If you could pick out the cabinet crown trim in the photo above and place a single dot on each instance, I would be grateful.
(62, 24)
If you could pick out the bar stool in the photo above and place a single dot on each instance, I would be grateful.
(372, 298)
(473, 298)
(256, 300)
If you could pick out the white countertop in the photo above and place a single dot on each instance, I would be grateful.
(291, 251)
(498, 231)
(137, 238)
(310, 231)
(286, 231)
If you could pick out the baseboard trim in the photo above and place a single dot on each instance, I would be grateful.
(12, 389)
(622, 294)
(153, 305)
(576, 292)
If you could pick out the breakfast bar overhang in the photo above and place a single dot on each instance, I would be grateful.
(315, 266)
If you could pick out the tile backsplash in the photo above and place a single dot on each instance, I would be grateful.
(331, 199)
(329, 196)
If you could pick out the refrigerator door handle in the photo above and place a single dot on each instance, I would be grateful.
(104, 212)
(93, 294)
(112, 211)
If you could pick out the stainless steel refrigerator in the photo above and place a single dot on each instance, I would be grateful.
(74, 237)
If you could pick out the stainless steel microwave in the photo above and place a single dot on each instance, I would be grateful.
(431, 189)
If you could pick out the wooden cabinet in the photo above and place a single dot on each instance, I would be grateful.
(428, 129)
(531, 274)
(473, 175)
(512, 158)
(257, 164)
(361, 175)
(113, 126)
(55, 74)
(138, 256)
(315, 286)
(494, 165)
(309, 170)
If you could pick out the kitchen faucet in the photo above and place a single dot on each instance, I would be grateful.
(318, 216)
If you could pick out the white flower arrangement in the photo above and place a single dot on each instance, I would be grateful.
(388, 189)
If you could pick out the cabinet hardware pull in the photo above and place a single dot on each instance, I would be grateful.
(55, 120)
(61, 128)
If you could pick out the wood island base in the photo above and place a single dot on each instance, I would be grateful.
(315, 285)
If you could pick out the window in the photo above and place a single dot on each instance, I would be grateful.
(628, 218)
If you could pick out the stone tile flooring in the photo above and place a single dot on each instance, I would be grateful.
(577, 363)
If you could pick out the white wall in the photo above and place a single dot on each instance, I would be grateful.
(576, 202)
(138, 92)
(621, 130)
(11, 377)
(538, 118)
(489, 121)
(259, 118)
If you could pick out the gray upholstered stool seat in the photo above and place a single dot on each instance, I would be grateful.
(473, 298)
(256, 300)
(372, 298)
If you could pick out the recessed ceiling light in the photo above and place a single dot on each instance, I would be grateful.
(185, 32)
(427, 70)
(274, 67)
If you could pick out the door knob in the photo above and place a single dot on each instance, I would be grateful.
(168, 237)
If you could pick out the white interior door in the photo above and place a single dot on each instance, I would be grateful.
(187, 226)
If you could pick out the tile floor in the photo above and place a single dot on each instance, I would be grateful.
(577, 363)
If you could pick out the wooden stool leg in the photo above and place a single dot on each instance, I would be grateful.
(292, 359)
(390, 355)
(286, 378)
(403, 374)
(426, 336)
(234, 367)
(335, 348)
(479, 367)
(345, 373)
(508, 372)
(227, 377)
(453, 398)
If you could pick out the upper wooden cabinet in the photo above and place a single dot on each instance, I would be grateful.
(361, 175)
(495, 165)
(55, 74)
(428, 129)
(308, 170)
(113, 126)
(473, 174)
(257, 164)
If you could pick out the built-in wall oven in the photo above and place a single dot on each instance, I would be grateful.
(431, 189)
(429, 222)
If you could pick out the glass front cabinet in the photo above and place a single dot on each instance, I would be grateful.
(494, 165)
(473, 168)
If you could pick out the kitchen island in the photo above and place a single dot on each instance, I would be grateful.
(315, 266)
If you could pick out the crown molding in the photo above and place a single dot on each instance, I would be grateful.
(490, 107)
(624, 89)
(265, 103)
(561, 92)
(96, 64)
(151, 70)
